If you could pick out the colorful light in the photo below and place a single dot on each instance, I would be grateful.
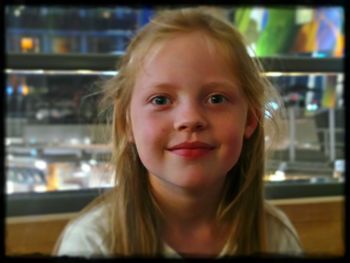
(27, 43)
(25, 90)
(9, 90)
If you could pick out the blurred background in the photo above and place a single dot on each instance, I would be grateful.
(57, 145)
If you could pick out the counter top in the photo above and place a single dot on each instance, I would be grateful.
(72, 201)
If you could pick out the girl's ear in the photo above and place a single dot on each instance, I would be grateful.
(253, 119)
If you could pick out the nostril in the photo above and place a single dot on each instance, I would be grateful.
(199, 125)
(191, 126)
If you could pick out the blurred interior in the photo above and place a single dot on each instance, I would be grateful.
(55, 138)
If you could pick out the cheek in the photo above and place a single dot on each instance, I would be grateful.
(149, 136)
(234, 145)
(147, 129)
(232, 139)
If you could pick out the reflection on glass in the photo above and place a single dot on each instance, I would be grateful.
(312, 32)
(50, 125)
(53, 140)
(314, 121)
(57, 29)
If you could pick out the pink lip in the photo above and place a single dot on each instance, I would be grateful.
(191, 149)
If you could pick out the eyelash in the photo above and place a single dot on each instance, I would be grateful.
(167, 101)
(222, 97)
(153, 100)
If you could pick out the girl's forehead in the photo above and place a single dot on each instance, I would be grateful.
(198, 55)
(198, 40)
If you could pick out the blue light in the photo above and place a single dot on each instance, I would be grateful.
(33, 152)
(20, 89)
(312, 107)
(319, 54)
(274, 105)
(9, 90)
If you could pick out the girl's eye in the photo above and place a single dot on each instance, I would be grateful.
(216, 99)
(160, 100)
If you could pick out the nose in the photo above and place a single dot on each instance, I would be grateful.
(190, 118)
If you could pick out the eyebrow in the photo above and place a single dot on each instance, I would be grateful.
(211, 84)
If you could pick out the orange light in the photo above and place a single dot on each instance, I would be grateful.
(27, 43)
(25, 90)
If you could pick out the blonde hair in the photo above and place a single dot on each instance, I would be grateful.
(135, 218)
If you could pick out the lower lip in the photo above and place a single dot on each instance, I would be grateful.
(191, 153)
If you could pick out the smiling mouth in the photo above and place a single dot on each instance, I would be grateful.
(191, 149)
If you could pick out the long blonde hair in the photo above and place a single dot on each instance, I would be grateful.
(135, 218)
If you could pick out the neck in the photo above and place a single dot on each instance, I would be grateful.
(186, 207)
(189, 217)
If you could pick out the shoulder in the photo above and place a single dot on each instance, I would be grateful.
(282, 236)
(86, 235)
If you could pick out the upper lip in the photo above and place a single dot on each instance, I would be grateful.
(191, 145)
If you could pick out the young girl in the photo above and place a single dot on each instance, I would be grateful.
(188, 147)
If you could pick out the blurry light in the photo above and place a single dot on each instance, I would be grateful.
(9, 90)
(87, 140)
(25, 90)
(267, 114)
(93, 162)
(312, 107)
(27, 43)
(60, 72)
(339, 165)
(270, 105)
(84, 72)
(10, 188)
(106, 14)
(85, 167)
(40, 164)
(17, 12)
(273, 105)
(10, 157)
(296, 73)
(307, 145)
(33, 152)
(40, 188)
(74, 141)
(251, 50)
(274, 74)
(278, 176)
(318, 55)
(25, 72)
(340, 78)
(110, 73)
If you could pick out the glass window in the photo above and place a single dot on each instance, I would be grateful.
(305, 31)
(314, 123)
(50, 125)
(38, 29)
(53, 139)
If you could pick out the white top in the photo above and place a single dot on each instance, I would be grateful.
(86, 236)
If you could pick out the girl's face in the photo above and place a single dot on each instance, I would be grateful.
(188, 114)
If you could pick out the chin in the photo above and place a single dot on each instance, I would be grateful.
(197, 182)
